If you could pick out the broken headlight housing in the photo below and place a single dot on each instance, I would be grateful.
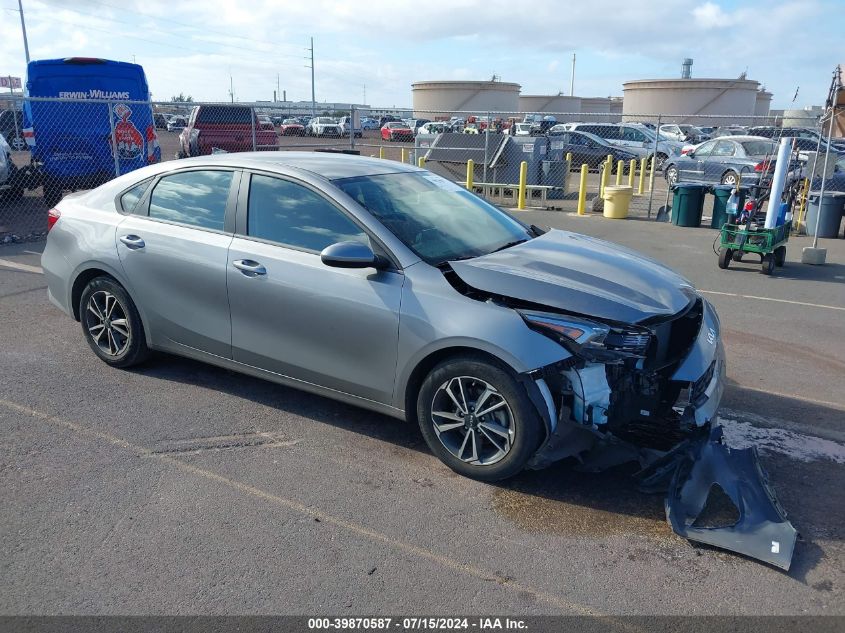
(593, 340)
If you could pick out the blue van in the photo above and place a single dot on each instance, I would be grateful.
(71, 142)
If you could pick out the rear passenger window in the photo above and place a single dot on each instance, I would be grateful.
(197, 198)
(129, 199)
(285, 212)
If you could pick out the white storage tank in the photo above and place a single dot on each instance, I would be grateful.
(442, 99)
(690, 97)
(549, 103)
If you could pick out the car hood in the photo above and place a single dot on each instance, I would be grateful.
(580, 275)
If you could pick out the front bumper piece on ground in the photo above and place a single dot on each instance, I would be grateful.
(694, 469)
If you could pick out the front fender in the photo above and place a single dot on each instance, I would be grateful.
(704, 350)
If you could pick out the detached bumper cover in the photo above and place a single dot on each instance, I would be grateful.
(762, 530)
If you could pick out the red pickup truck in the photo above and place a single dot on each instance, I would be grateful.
(230, 128)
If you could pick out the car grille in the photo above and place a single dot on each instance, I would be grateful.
(636, 342)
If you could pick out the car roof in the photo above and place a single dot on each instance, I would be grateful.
(328, 165)
(739, 138)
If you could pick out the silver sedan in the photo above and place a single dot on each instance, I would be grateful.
(389, 287)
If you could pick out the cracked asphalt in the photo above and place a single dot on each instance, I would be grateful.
(180, 488)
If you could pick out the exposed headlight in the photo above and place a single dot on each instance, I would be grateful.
(589, 337)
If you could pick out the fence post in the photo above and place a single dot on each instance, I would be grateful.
(470, 174)
(653, 167)
(486, 145)
(582, 191)
(620, 169)
(523, 177)
(113, 140)
(641, 185)
(252, 119)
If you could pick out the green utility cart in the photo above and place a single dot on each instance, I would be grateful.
(769, 244)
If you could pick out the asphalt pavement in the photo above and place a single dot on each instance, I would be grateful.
(179, 488)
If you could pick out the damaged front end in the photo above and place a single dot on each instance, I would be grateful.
(650, 393)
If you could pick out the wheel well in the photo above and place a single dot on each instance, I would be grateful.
(428, 363)
(79, 285)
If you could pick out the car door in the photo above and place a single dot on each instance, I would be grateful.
(173, 249)
(293, 315)
(691, 167)
(586, 150)
(722, 159)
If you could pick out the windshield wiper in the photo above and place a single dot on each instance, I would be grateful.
(509, 244)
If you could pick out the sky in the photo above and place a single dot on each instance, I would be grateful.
(370, 52)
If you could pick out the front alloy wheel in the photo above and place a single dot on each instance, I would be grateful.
(472, 420)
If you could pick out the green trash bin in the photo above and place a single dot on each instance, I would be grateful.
(720, 204)
(688, 203)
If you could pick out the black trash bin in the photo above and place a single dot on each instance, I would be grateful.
(688, 203)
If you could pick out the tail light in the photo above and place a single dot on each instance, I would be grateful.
(764, 166)
(53, 216)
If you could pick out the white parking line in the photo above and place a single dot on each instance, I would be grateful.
(798, 303)
(24, 267)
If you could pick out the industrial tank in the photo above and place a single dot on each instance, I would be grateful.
(439, 99)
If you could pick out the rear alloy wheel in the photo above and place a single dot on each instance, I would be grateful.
(671, 175)
(111, 323)
(730, 178)
(477, 419)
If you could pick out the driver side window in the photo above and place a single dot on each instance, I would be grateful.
(706, 149)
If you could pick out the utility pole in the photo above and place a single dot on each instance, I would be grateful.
(365, 95)
(231, 89)
(572, 79)
(313, 98)
(23, 29)
(278, 90)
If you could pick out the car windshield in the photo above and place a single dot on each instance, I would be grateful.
(758, 148)
(290, 122)
(325, 120)
(434, 217)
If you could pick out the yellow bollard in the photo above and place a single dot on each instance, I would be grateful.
(610, 160)
(582, 191)
(403, 156)
(605, 172)
(632, 172)
(568, 157)
(651, 173)
(641, 186)
(470, 173)
(620, 169)
(523, 177)
(381, 152)
(421, 162)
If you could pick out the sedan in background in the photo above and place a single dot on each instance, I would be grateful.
(177, 124)
(586, 148)
(291, 127)
(396, 131)
(723, 160)
(434, 127)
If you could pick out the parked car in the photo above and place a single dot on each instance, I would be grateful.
(388, 118)
(73, 143)
(586, 148)
(405, 261)
(434, 127)
(265, 123)
(416, 124)
(176, 124)
(723, 160)
(323, 126)
(730, 130)
(541, 124)
(520, 129)
(472, 128)
(369, 124)
(632, 137)
(806, 140)
(228, 128)
(683, 133)
(345, 123)
(396, 131)
(291, 127)
(11, 128)
(160, 120)
(11, 185)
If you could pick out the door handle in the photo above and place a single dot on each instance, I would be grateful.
(249, 267)
(132, 241)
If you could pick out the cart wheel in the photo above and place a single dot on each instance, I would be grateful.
(724, 257)
(768, 264)
(780, 255)
(736, 256)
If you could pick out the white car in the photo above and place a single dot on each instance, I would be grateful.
(521, 129)
(369, 124)
(434, 127)
(9, 185)
(323, 126)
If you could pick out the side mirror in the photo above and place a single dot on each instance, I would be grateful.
(350, 255)
(691, 154)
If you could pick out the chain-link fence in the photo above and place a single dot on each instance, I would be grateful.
(566, 161)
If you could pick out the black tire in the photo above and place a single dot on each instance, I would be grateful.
(730, 177)
(526, 423)
(724, 257)
(780, 256)
(768, 264)
(52, 192)
(671, 175)
(133, 348)
(737, 256)
(15, 182)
